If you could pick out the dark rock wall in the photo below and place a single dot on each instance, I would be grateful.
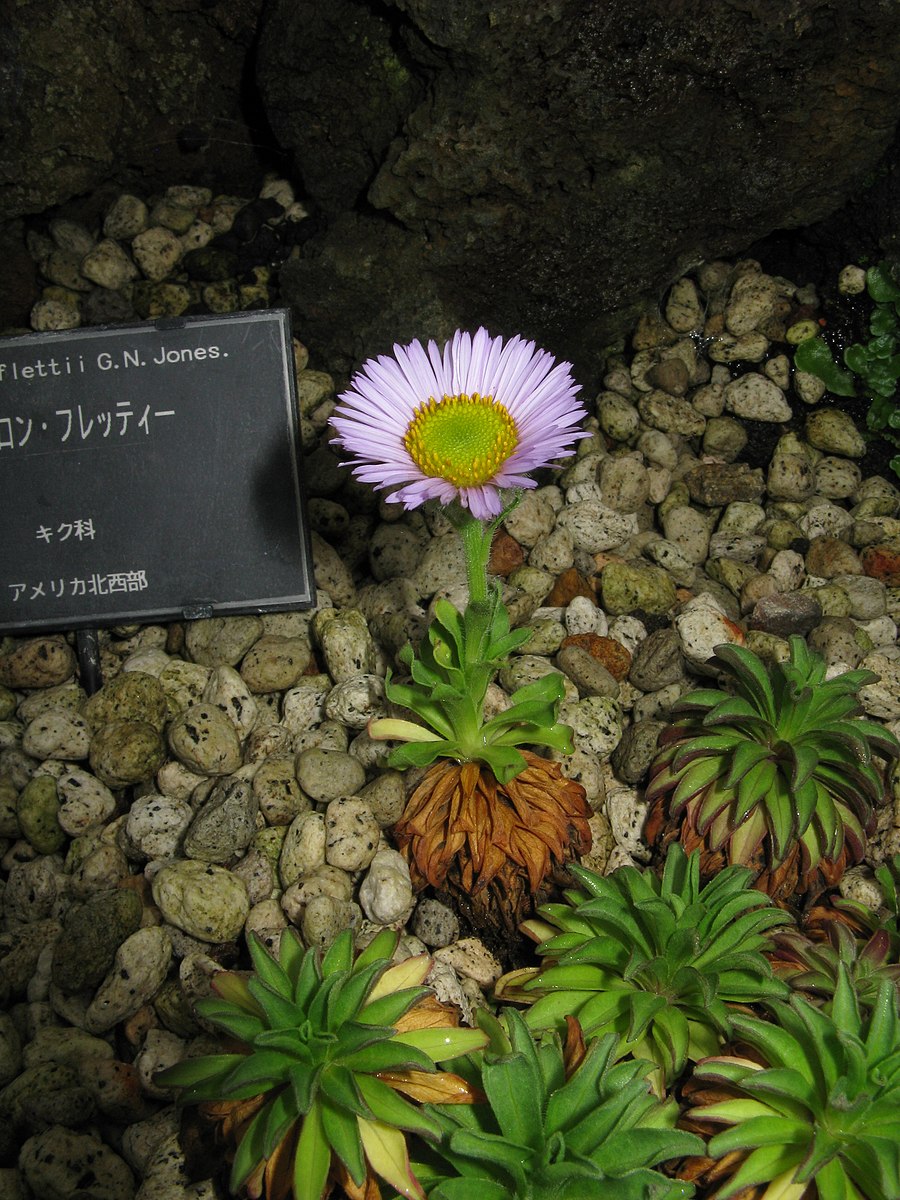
(543, 167)
(560, 161)
(121, 92)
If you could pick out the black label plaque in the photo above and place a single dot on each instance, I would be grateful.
(150, 472)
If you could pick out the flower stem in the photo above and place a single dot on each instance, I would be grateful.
(476, 541)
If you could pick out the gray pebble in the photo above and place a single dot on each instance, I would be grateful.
(752, 397)
(435, 923)
(221, 641)
(595, 527)
(596, 723)
(326, 775)
(637, 749)
(386, 797)
(530, 520)
(586, 672)
(225, 824)
(274, 663)
(325, 918)
(688, 529)
(618, 417)
(394, 552)
(624, 484)
(331, 572)
(442, 565)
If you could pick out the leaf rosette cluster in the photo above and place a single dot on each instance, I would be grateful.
(659, 961)
(782, 762)
(326, 1046)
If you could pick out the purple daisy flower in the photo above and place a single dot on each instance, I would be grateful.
(459, 424)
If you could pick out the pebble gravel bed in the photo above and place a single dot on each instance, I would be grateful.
(221, 781)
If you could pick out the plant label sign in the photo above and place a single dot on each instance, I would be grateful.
(150, 472)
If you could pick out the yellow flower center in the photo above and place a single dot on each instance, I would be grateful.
(463, 439)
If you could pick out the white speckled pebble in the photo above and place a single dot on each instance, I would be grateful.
(357, 701)
(324, 919)
(627, 814)
(448, 988)
(882, 699)
(108, 265)
(165, 1175)
(346, 644)
(583, 616)
(161, 1049)
(57, 733)
(85, 802)
(126, 218)
(155, 826)
(54, 314)
(303, 848)
(755, 398)
(227, 690)
(595, 526)
(470, 957)
(386, 893)
(351, 834)
(531, 519)
(304, 705)
(139, 968)
(701, 626)
(689, 531)
(327, 774)
(857, 884)
(826, 520)
(156, 251)
(596, 723)
(55, 1161)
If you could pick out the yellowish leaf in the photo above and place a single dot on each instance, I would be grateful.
(385, 1148)
(409, 973)
(438, 1087)
(443, 1043)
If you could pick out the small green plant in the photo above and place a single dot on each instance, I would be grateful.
(887, 918)
(874, 367)
(657, 961)
(814, 967)
(782, 762)
(326, 1045)
(557, 1125)
(820, 1110)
